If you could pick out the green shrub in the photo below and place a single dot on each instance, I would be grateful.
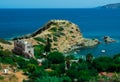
(60, 28)
(102, 63)
(57, 34)
(54, 29)
(77, 30)
(38, 50)
(72, 73)
(55, 44)
(53, 73)
(84, 76)
(54, 49)
(66, 79)
(73, 36)
(49, 79)
(71, 31)
(63, 34)
(56, 57)
(59, 68)
(1, 78)
(48, 46)
(40, 39)
(49, 35)
(5, 41)
(1, 47)
(55, 39)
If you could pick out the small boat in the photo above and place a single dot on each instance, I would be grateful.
(103, 51)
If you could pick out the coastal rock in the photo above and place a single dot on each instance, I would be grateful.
(108, 39)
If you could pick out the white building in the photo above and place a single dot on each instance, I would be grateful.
(22, 47)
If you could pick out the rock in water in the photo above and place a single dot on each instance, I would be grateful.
(108, 39)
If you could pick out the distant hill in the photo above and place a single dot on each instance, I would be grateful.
(111, 6)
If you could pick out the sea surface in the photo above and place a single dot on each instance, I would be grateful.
(93, 23)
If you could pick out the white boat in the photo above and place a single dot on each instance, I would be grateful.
(103, 51)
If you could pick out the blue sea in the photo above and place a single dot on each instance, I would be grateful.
(93, 23)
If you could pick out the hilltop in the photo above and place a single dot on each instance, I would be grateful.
(112, 6)
(63, 35)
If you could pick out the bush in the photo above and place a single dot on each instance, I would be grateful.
(49, 79)
(4, 41)
(38, 73)
(102, 63)
(55, 44)
(71, 31)
(48, 46)
(73, 36)
(84, 76)
(40, 39)
(1, 47)
(59, 68)
(72, 73)
(1, 78)
(63, 34)
(53, 73)
(66, 79)
(116, 56)
(55, 39)
(38, 50)
(60, 28)
(56, 57)
(54, 29)
(49, 35)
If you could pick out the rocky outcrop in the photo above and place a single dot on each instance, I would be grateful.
(108, 39)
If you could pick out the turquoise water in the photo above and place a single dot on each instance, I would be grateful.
(93, 23)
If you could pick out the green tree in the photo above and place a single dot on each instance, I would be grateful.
(116, 56)
(48, 46)
(84, 76)
(72, 73)
(37, 73)
(38, 49)
(102, 63)
(49, 79)
(31, 68)
(66, 79)
(56, 57)
(89, 58)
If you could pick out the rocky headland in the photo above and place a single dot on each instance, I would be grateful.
(63, 36)
(111, 6)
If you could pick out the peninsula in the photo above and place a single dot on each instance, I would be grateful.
(63, 36)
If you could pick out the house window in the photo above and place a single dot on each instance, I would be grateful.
(28, 47)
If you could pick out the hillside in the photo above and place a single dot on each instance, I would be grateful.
(63, 35)
(112, 6)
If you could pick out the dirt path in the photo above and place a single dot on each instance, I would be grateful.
(20, 76)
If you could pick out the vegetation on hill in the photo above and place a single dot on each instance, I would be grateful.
(4, 41)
